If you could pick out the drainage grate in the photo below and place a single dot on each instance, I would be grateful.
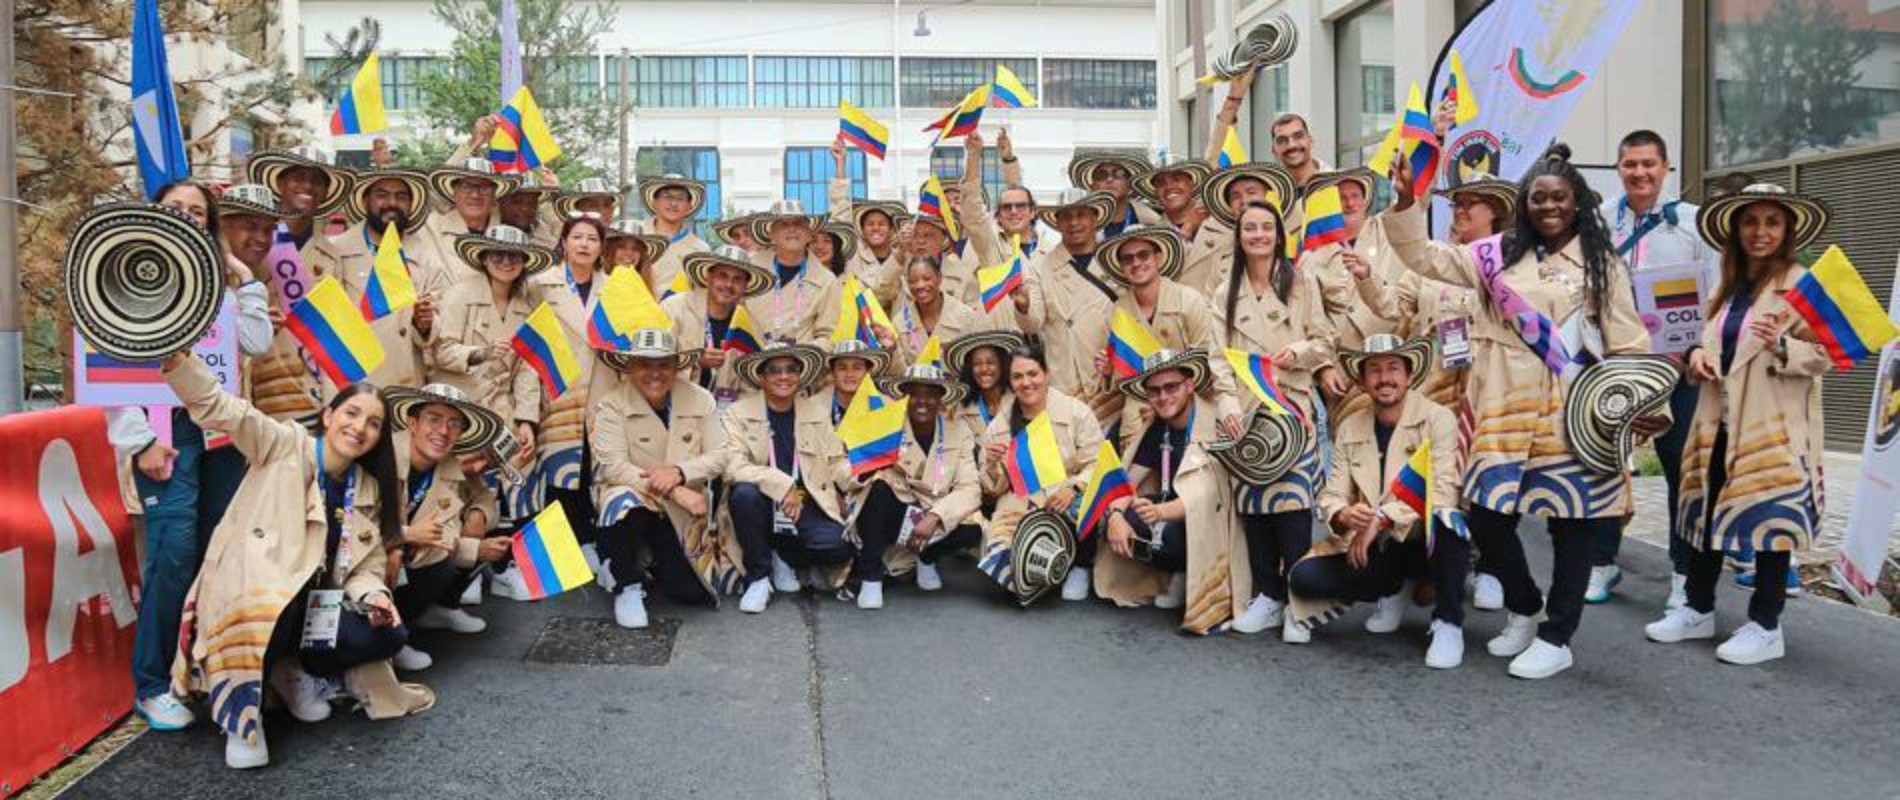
(595, 641)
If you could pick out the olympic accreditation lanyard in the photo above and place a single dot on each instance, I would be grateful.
(913, 326)
(338, 542)
(937, 448)
(1167, 453)
(798, 296)
(418, 490)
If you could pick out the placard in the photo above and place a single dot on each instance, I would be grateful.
(1669, 300)
(101, 380)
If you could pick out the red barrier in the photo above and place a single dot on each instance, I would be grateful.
(68, 573)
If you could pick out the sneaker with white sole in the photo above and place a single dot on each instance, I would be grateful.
(630, 607)
(1678, 592)
(590, 553)
(440, 618)
(1752, 644)
(871, 595)
(1075, 587)
(1176, 595)
(757, 595)
(471, 596)
(1519, 631)
(1487, 592)
(240, 754)
(1602, 580)
(1681, 623)
(1292, 632)
(508, 583)
(163, 712)
(928, 578)
(301, 691)
(1387, 615)
(1447, 649)
(1262, 613)
(784, 578)
(1541, 660)
(409, 659)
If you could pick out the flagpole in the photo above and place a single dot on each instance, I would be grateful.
(12, 378)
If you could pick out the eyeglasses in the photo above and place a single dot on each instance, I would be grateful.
(774, 370)
(1166, 389)
(1012, 207)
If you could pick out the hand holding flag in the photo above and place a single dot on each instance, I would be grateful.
(1034, 462)
(1107, 484)
(996, 283)
(523, 141)
(543, 345)
(862, 131)
(872, 431)
(1841, 310)
(333, 331)
(390, 289)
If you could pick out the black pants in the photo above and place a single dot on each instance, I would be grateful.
(1704, 567)
(820, 539)
(1275, 542)
(672, 573)
(878, 523)
(1605, 544)
(357, 642)
(1387, 568)
(439, 584)
(1570, 540)
(1170, 549)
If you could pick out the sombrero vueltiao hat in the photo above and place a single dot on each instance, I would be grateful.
(647, 344)
(1196, 170)
(787, 210)
(471, 246)
(650, 191)
(443, 179)
(249, 200)
(926, 375)
(266, 167)
(1485, 185)
(483, 424)
(1214, 189)
(810, 359)
(1083, 166)
(728, 228)
(357, 205)
(1192, 361)
(1717, 219)
(1358, 175)
(1604, 401)
(958, 352)
(654, 245)
(1417, 353)
(844, 237)
(531, 183)
(698, 266)
(1173, 251)
(1041, 552)
(1266, 451)
(877, 358)
(567, 203)
(142, 281)
(1073, 198)
(889, 208)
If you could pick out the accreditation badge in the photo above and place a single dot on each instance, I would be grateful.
(323, 614)
(1454, 342)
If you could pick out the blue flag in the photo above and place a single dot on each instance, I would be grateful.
(155, 126)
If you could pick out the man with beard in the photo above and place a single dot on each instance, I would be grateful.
(672, 201)
(386, 199)
(309, 187)
(1293, 148)
(1114, 174)
(468, 192)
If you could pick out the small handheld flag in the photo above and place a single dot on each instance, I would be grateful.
(1458, 91)
(872, 431)
(1420, 140)
(742, 336)
(1841, 310)
(1232, 152)
(389, 289)
(1008, 91)
(523, 141)
(1413, 485)
(680, 285)
(360, 109)
(1129, 344)
(1256, 372)
(1034, 462)
(862, 131)
(997, 282)
(542, 343)
(1108, 483)
(333, 331)
(932, 202)
(860, 313)
(963, 119)
(1381, 163)
(1325, 220)
(549, 556)
(625, 306)
(932, 352)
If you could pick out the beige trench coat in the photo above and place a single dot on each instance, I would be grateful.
(403, 345)
(467, 327)
(955, 319)
(1071, 314)
(450, 499)
(1263, 324)
(818, 450)
(628, 439)
(1353, 317)
(688, 312)
(663, 270)
(1078, 437)
(803, 311)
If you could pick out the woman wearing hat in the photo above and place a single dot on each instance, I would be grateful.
(309, 188)
(1114, 173)
(834, 245)
(981, 361)
(1079, 439)
(627, 246)
(1269, 308)
(672, 202)
(928, 310)
(1143, 261)
(1554, 270)
(702, 317)
(309, 520)
(1174, 543)
(801, 305)
(850, 362)
(1066, 301)
(1751, 470)
(384, 200)
(916, 509)
(658, 447)
(781, 456)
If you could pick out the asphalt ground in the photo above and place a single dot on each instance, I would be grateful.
(960, 694)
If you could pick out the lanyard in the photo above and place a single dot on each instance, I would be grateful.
(1167, 455)
(335, 517)
(418, 490)
(914, 328)
(983, 408)
(798, 296)
(937, 446)
(1083, 270)
(678, 237)
(1649, 223)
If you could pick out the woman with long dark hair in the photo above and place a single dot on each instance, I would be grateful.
(925, 310)
(1751, 468)
(1268, 307)
(1553, 293)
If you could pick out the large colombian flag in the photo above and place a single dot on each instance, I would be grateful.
(1256, 372)
(523, 141)
(549, 556)
(1841, 310)
(1035, 460)
(1129, 345)
(872, 431)
(542, 343)
(334, 332)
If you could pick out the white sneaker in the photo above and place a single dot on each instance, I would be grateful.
(240, 754)
(784, 578)
(756, 596)
(1387, 616)
(1602, 580)
(630, 608)
(438, 618)
(163, 712)
(301, 691)
(1262, 612)
(1447, 650)
(1076, 586)
(604, 577)
(409, 659)
(1487, 592)
(1678, 592)
(1176, 595)
(507, 583)
(1541, 660)
(1292, 632)
(1679, 624)
(871, 595)
(1518, 633)
(472, 596)
(590, 553)
(1752, 644)
(928, 578)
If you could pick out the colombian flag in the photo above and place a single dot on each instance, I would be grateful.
(549, 556)
(932, 352)
(1841, 310)
(931, 202)
(970, 112)
(1413, 485)
(1008, 91)
(360, 109)
(625, 306)
(1420, 141)
(1035, 461)
(1676, 294)
(389, 289)
(335, 333)
(523, 140)
(859, 129)
(1458, 90)
(859, 311)
(1129, 344)
(1325, 220)
(1107, 484)
(997, 282)
(680, 285)
(1232, 153)
(872, 431)
(742, 336)
(543, 345)
(1256, 373)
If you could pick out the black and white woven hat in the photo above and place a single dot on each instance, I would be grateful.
(1604, 402)
(142, 281)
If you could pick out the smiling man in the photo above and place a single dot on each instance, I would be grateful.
(309, 188)
(672, 202)
(1293, 148)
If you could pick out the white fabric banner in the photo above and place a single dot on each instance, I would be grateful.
(1877, 493)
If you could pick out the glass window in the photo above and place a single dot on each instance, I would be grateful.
(402, 77)
(686, 81)
(1269, 100)
(574, 81)
(942, 82)
(1364, 100)
(808, 174)
(1800, 78)
(1098, 84)
(800, 82)
(700, 164)
(947, 164)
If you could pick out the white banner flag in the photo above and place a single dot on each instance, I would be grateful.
(510, 24)
(1877, 493)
